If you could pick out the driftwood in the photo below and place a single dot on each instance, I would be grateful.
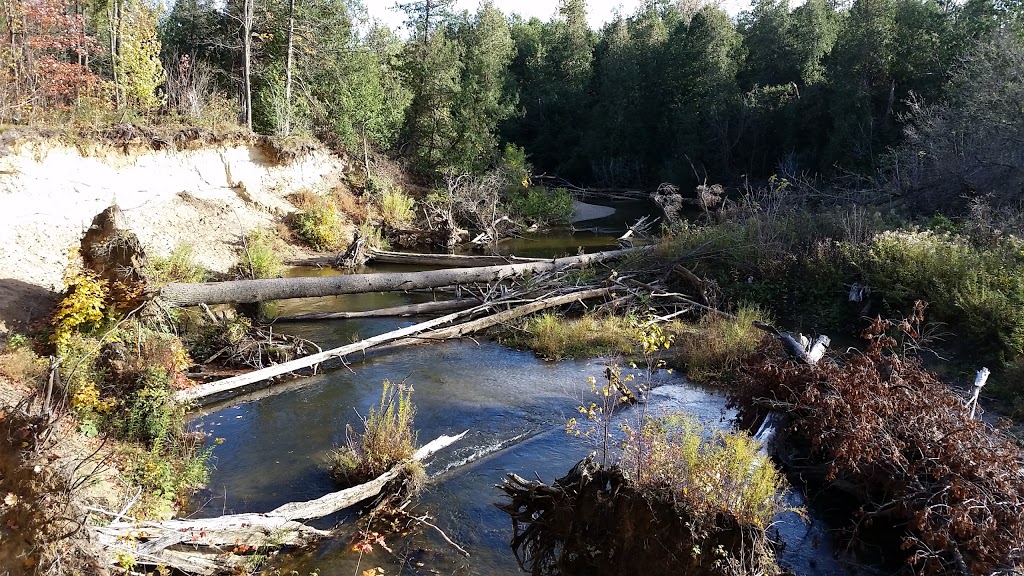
(249, 291)
(205, 546)
(407, 310)
(420, 330)
(798, 346)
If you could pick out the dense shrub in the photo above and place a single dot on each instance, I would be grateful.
(978, 292)
(319, 223)
(541, 205)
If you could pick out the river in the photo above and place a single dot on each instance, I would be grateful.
(513, 403)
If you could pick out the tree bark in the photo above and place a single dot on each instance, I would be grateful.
(199, 546)
(249, 291)
(409, 310)
(247, 19)
(417, 259)
(288, 70)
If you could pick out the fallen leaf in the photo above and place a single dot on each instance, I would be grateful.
(11, 499)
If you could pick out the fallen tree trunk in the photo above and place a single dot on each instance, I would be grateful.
(205, 546)
(421, 331)
(418, 259)
(249, 291)
(408, 310)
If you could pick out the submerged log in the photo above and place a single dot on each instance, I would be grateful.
(420, 330)
(204, 546)
(249, 291)
(407, 310)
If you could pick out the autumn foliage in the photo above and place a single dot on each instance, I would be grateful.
(46, 63)
(880, 428)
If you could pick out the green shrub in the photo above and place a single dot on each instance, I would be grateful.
(542, 205)
(555, 337)
(179, 266)
(148, 414)
(320, 224)
(258, 258)
(712, 471)
(713, 347)
(388, 438)
(396, 208)
(977, 292)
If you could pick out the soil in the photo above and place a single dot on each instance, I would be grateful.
(207, 198)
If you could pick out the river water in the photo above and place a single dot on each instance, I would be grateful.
(513, 404)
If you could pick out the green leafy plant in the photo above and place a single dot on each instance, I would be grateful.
(541, 205)
(396, 208)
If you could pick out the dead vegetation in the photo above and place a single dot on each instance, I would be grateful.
(42, 522)
(888, 435)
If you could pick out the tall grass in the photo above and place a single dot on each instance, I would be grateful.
(713, 347)
(179, 266)
(396, 208)
(712, 471)
(258, 258)
(319, 223)
(555, 337)
(388, 437)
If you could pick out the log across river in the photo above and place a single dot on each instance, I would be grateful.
(250, 291)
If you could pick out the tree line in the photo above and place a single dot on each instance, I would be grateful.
(677, 91)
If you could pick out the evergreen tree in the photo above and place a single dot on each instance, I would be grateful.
(483, 101)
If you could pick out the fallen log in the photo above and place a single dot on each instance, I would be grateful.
(448, 260)
(466, 328)
(204, 546)
(407, 310)
(249, 291)
(420, 331)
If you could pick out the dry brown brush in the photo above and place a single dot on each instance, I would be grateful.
(880, 428)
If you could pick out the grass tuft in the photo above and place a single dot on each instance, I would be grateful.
(258, 258)
(711, 471)
(179, 266)
(715, 345)
(388, 438)
(555, 337)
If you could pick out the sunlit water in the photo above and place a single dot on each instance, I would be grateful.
(513, 404)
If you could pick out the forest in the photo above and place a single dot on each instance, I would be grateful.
(676, 92)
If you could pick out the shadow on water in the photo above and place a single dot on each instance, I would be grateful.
(514, 405)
